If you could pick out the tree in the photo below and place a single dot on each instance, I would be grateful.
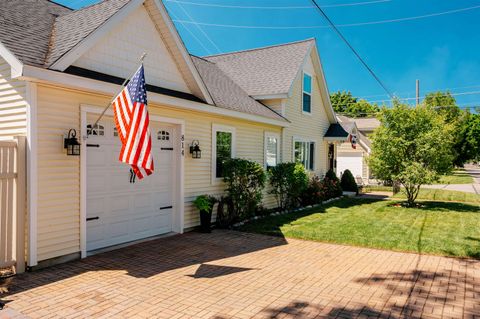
(341, 100)
(345, 103)
(445, 105)
(412, 146)
(467, 138)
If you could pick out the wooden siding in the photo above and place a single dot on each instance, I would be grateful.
(307, 126)
(13, 106)
(59, 174)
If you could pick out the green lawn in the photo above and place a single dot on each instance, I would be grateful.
(442, 228)
(456, 177)
(431, 194)
(444, 195)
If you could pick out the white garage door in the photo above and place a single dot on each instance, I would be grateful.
(121, 208)
(354, 163)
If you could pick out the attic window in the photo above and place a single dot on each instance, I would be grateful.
(307, 93)
(163, 136)
(98, 130)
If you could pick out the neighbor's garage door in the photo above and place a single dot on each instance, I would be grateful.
(120, 208)
(353, 162)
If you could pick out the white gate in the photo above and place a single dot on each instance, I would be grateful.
(12, 204)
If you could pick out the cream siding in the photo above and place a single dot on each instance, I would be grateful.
(58, 174)
(13, 105)
(311, 126)
(118, 53)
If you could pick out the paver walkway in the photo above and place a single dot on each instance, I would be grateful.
(474, 171)
(230, 274)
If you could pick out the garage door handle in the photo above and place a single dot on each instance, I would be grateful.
(92, 218)
(93, 145)
(166, 207)
(166, 148)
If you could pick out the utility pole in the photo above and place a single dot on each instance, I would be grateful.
(418, 92)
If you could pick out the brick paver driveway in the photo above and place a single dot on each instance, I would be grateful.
(229, 274)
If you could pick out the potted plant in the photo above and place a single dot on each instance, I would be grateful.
(205, 203)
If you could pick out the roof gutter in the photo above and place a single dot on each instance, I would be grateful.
(40, 75)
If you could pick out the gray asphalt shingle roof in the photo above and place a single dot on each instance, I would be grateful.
(264, 71)
(227, 94)
(26, 27)
(39, 32)
(70, 29)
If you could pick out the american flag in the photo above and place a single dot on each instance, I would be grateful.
(352, 138)
(131, 119)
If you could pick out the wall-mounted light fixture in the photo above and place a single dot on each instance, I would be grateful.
(195, 149)
(71, 143)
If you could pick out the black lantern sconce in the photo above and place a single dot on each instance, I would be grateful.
(195, 149)
(71, 143)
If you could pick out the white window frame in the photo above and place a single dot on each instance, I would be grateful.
(304, 92)
(221, 128)
(306, 140)
(266, 136)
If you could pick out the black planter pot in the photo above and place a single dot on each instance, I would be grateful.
(206, 221)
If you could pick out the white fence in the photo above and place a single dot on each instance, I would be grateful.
(12, 203)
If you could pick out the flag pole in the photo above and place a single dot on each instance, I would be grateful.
(115, 96)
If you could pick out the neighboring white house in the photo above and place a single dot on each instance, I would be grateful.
(355, 159)
(58, 73)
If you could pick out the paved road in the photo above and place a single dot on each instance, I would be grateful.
(228, 274)
(474, 171)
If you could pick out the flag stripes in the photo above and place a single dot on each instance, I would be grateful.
(132, 122)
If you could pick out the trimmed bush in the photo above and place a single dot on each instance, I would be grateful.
(331, 185)
(245, 181)
(313, 194)
(288, 181)
(348, 182)
(331, 175)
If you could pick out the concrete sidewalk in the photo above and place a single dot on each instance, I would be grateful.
(474, 188)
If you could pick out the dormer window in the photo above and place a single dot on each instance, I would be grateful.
(307, 93)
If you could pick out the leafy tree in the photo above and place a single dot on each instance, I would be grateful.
(345, 103)
(467, 144)
(412, 146)
(341, 100)
(445, 105)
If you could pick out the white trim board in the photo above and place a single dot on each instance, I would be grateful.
(178, 214)
(32, 175)
(64, 80)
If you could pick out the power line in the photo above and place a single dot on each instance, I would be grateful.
(351, 48)
(439, 95)
(431, 91)
(277, 7)
(199, 28)
(191, 33)
(235, 26)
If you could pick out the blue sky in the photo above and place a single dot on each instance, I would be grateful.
(443, 51)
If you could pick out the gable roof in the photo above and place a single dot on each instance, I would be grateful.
(264, 71)
(349, 124)
(26, 27)
(71, 28)
(227, 94)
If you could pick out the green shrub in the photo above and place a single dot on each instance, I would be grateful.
(245, 181)
(313, 193)
(288, 181)
(348, 182)
(331, 175)
(331, 186)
